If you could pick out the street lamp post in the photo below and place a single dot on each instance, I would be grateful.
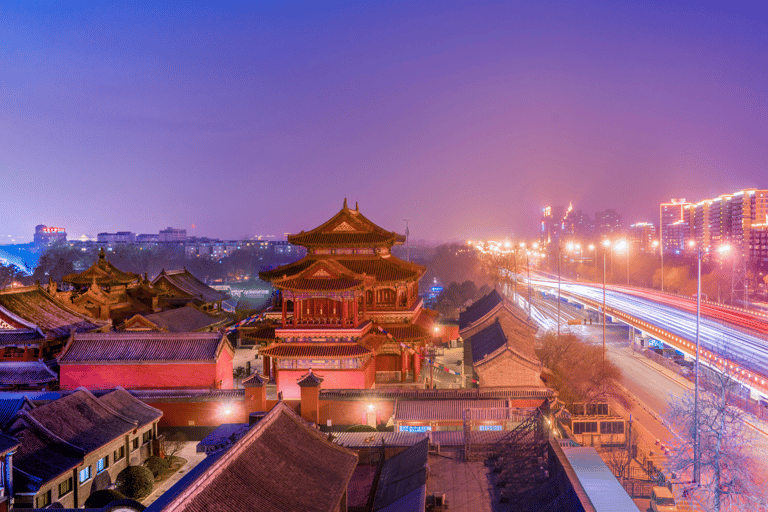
(558, 290)
(528, 266)
(696, 448)
(606, 246)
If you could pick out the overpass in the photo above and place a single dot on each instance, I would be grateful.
(737, 340)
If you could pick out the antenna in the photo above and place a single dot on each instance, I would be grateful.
(407, 245)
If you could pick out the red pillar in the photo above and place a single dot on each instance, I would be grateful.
(416, 364)
(267, 366)
(356, 307)
(284, 310)
(403, 365)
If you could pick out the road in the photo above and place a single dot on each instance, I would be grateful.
(746, 349)
(651, 387)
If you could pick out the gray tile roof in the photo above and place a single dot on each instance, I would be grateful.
(125, 404)
(187, 284)
(26, 373)
(141, 347)
(19, 336)
(185, 319)
(356, 440)
(401, 475)
(81, 420)
(479, 309)
(487, 341)
(281, 464)
(448, 410)
(55, 437)
(37, 307)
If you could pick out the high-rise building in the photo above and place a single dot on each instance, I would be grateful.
(121, 237)
(552, 224)
(670, 213)
(46, 235)
(170, 234)
(641, 236)
(607, 222)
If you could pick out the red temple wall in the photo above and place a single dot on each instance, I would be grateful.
(224, 370)
(388, 363)
(146, 376)
(332, 379)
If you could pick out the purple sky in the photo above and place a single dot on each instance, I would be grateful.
(466, 118)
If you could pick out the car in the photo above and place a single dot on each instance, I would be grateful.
(662, 500)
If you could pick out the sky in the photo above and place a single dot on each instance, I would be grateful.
(235, 119)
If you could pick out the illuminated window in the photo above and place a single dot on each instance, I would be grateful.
(85, 474)
(43, 500)
(65, 487)
(415, 428)
(102, 464)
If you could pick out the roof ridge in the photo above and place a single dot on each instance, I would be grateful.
(145, 335)
(38, 427)
(110, 410)
(136, 400)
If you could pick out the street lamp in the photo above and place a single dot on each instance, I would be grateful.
(558, 290)
(656, 244)
(622, 245)
(594, 254)
(696, 462)
(528, 266)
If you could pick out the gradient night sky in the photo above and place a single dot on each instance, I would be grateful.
(259, 118)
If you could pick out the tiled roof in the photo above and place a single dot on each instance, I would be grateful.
(401, 475)
(187, 395)
(129, 406)
(280, 465)
(103, 272)
(7, 443)
(10, 406)
(479, 309)
(38, 307)
(189, 285)
(338, 285)
(347, 228)
(356, 440)
(25, 373)
(471, 394)
(57, 435)
(142, 347)
(254, 381)
(17, 336)
(186, 319)
(406, 332)
(287, 270)
(41, 458)
(487, 341)
(81, 420)
(315, 351)
(414, 501)
(384, 269)
(448, 410)
(309, 380)
(222, 437)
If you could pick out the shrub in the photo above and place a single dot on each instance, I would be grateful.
(361, 428)
(102, 498)
(135, 482)
(157, 465)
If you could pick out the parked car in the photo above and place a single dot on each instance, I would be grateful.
(662, 500)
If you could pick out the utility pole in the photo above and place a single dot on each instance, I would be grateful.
(603, 307)
(407, 244)
(696, 448)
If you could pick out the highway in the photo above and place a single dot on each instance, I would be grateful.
(744, 346)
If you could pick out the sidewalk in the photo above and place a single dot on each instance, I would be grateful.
(193, 459)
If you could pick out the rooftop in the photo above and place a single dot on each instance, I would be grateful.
(116, 347)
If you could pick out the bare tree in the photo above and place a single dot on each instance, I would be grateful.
(728, 480)
(578, 370)
(174, 443)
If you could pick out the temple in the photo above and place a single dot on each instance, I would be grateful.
(105, 292)
(339, 302)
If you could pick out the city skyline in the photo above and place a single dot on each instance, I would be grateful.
(242, 120)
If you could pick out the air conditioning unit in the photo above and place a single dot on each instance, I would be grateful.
(438, 499)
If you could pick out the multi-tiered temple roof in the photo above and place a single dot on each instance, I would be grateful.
(103, 273)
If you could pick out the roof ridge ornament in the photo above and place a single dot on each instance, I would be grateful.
(345, 204)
